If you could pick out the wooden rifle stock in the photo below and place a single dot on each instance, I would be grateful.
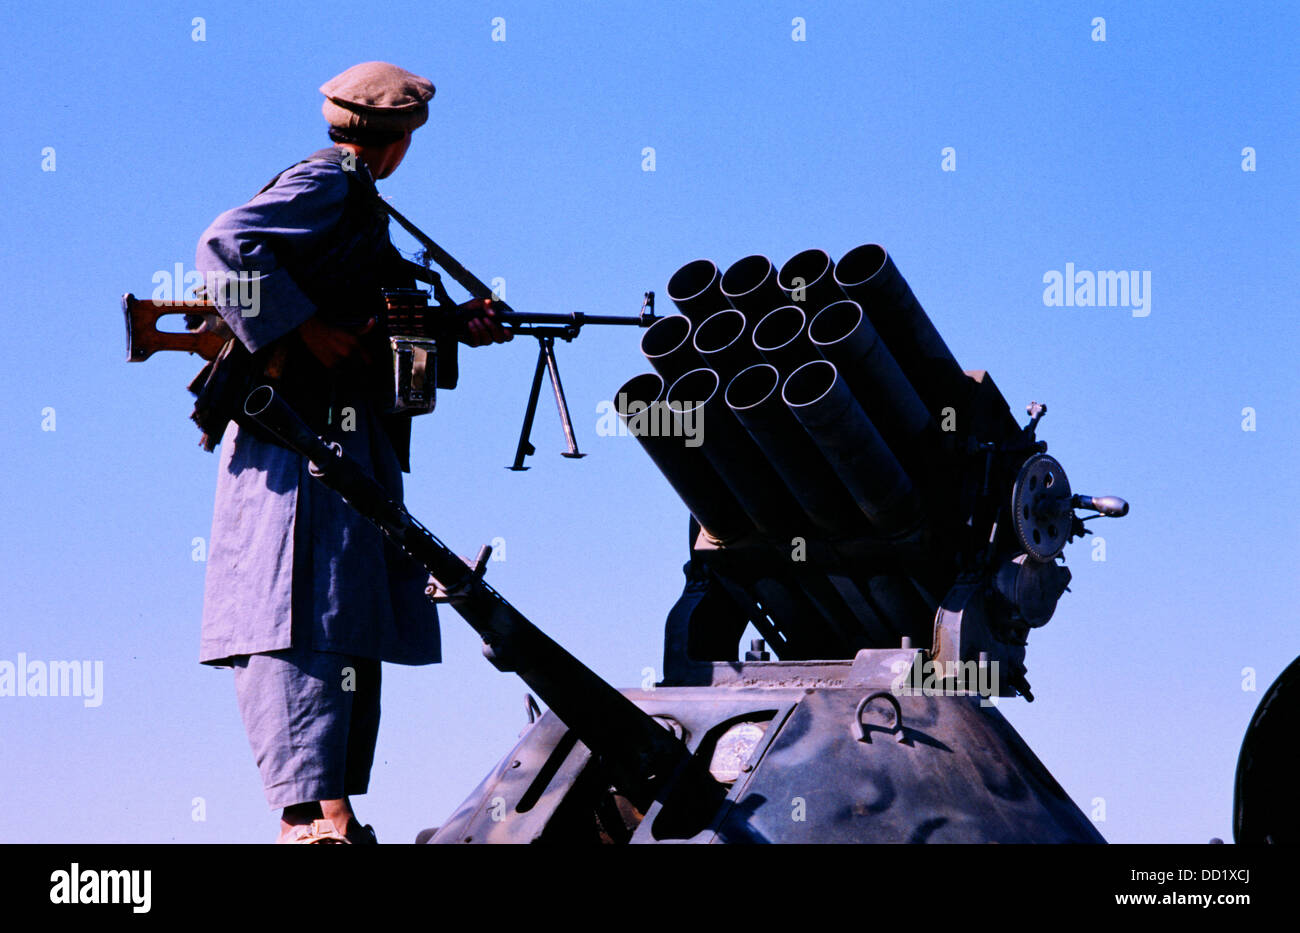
(144, 339)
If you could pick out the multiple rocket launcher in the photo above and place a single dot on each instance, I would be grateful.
(817, 391)
(765, 351)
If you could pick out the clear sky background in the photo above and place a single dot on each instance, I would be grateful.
(1122, 154)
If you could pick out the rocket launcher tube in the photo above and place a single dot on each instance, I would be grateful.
(754, 397)
(723, 341)
(826, 408)
(846, 337)
(639, 403)
(667, 345)
(697, 398)
(696, 289)
(782, 338)
(750, 284)
(868, 275)
(809, 279)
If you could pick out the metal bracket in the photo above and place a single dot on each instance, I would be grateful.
(439, 593)
(862, 731)
(315, 469)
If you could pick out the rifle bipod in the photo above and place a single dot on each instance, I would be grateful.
(545, 362)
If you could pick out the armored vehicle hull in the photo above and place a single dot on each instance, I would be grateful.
(808, 751)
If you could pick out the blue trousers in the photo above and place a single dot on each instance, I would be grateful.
(312, 718)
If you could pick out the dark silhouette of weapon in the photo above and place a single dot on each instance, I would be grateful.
(423, 338)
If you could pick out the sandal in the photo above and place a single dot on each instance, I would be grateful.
(324, 832)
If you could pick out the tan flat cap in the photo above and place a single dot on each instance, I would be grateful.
(377, 96)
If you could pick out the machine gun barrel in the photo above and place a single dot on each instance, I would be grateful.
(576, 318)
(564, 326)
(641, 755)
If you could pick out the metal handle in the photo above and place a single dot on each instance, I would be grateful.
(863, 733)
(1111, 506)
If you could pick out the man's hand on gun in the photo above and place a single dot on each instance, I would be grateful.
(481, 327)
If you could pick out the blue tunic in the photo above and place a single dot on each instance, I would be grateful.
(290, 564)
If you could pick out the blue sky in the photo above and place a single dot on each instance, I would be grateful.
(1122, 154)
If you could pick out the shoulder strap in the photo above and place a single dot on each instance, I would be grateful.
(358, 186)
(330, 154)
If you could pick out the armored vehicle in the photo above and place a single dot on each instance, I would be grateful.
(874, 512)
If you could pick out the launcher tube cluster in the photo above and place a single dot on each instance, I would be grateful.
(812, 418)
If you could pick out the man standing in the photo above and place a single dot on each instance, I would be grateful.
(303, 597)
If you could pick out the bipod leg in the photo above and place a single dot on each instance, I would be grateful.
(526, 448)
(548, 351)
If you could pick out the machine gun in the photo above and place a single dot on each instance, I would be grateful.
(422, 336)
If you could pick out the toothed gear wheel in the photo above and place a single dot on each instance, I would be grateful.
(1040, 507)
